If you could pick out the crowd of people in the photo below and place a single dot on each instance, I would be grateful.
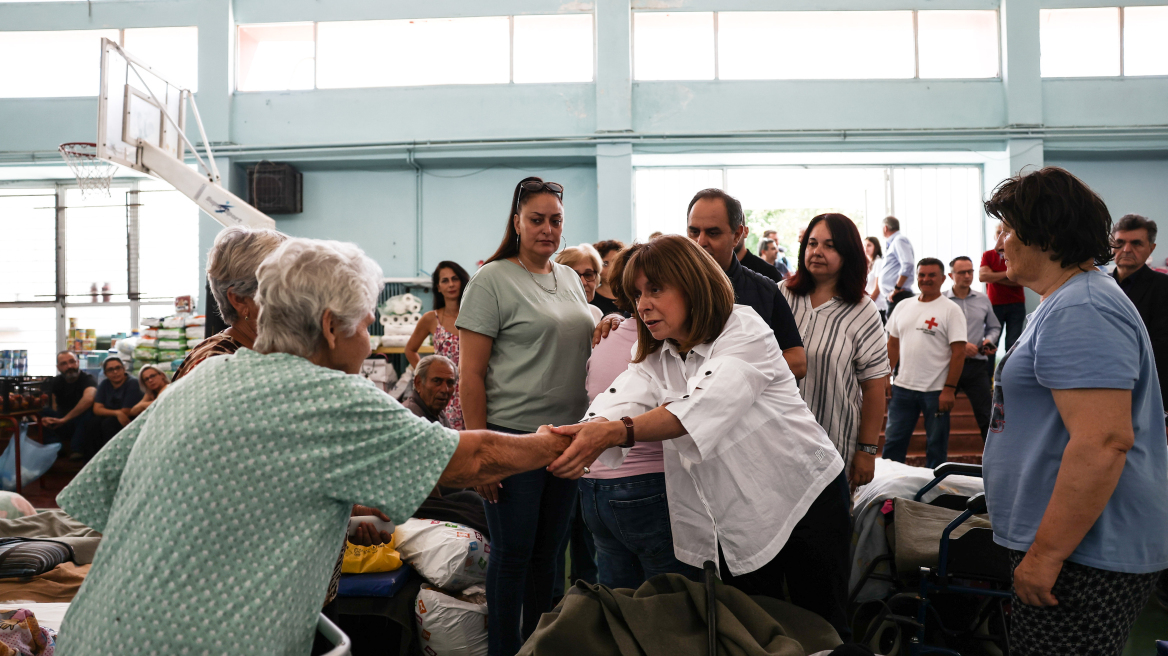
(656, 406)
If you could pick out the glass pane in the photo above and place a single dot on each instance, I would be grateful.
(778, 45)
(1079, 42)
(276, 57)
(553, 48)
(96, 250)
(168, 243)
(1145, 48)
(51, 64)
(172, 52)
(33, 330)
(397, 53)
(105, 320)
(669, 46)
(28, 218)
(958, 44)
(663, 194)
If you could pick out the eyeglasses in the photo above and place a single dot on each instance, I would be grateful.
(533, 187)
(588, 274)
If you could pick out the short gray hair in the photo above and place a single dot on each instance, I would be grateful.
(232, 264)
(423, 366)
(892, 223)
(302, 279)
(1135, 222)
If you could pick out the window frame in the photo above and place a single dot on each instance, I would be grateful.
(1122, 46)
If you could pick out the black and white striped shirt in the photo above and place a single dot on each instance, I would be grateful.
(845, 345)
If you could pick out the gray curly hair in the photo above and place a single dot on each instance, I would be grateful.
(232, 264)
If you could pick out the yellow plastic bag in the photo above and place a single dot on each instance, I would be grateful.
(366, 560)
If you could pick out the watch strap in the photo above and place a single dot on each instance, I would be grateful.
(629, 439)
(868, 448)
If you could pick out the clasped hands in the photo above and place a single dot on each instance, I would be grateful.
(589, 440)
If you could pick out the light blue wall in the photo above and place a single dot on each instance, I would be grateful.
(1128, 186)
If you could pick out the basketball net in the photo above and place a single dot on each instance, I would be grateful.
(93, 174)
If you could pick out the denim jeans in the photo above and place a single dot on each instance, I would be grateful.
(579, 541)
(629, 520)
(71, 434)
(903, 409)
(528, 525)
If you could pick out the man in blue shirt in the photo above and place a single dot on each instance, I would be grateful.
(115, 396)
(899, 262)
(1075, 461)
(982, 330)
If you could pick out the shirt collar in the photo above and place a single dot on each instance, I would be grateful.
(425, 409)
(700, 349)
(949, 294)
(735, 269)
(1134, 278)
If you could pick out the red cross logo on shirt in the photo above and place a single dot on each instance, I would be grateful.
(931, 323)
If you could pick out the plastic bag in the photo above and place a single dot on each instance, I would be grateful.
(174, 322)
(170, 356)
(367, 560)
(172, 344)
(146, 354)
(448, 626)
(171, 333)
(194, 332)
(35, 460)
(448, 555)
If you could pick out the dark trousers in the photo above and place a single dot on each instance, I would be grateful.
(975, 382)
(1012, 316)
(99, 431)
(528, 525)
(814, 563)
(629, 520)
(71, 434)
(579, 540)
(903, 409)
(897, 298)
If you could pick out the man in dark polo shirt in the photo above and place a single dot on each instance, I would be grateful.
(115, 396)
(716, 222)
(1133, 239)
(71, 406)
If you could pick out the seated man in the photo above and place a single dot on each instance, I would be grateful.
(72, 402)
(116, 396)
(434, 381)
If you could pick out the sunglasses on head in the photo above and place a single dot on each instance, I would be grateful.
(533, 187)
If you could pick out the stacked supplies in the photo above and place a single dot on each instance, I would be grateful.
(399, 317)
(166, 341)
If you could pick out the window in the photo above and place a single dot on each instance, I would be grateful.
(51, 64)
(552, 48)
(277, 57)
(96, 247)
(28, 218)
(673, 46)
(172, 52)
(32, 329)
(957, 44)
(1080, 42)
(1145, 50)
(168, 243)
(663, 194)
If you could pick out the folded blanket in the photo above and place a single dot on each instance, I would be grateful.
(57, 525)
(59, 584)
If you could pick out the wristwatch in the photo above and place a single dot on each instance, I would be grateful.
(868, 448)
(629, 441)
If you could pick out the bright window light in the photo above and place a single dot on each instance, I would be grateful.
(105, 319)
(1145, 48)
(172, 52)
(553, 48)
(957, 44)
(34, 330)
(96, 246)
(1079, 42)
(276, 57)
(168, 243)
(399, 53)
(825, 45)
(51, 64)
(673, 46)
(28, 273)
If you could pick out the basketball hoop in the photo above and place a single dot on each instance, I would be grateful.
(93, 174)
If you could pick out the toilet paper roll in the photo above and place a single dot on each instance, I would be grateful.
(414, 318)
(386, 320)
(413, 307)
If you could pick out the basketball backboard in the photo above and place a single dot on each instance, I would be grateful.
(133, 104)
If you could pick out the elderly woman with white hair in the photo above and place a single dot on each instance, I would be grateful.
(222, 506)
(231, 274)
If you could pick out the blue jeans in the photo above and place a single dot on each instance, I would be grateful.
(579, 540)
(629, 520)
(528, 525)
(903, 409)
(74, 430)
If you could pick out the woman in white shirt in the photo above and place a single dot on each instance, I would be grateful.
(753, 481)
(872, 287)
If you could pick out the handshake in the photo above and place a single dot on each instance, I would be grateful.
(586, 442)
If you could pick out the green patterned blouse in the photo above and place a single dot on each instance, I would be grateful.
(223, 504)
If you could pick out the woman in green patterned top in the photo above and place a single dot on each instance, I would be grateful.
(223, 504)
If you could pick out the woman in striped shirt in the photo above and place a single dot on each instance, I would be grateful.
(847, 355)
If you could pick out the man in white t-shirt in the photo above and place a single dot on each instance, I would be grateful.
(926, 337)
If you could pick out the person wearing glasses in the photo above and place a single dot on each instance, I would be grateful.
(116, 395)
(525, 333)
(605, 298)
(585, 261)
(154, 382)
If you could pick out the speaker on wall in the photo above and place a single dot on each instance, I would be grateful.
(275, 188)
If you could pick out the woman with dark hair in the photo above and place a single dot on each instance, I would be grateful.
(754, 483)
(605, 298)
(872, 288)
(1075, 459)
(525, 332)
(847, 355)
(448, 282)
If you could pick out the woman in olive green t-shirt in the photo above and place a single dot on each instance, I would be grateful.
(525, 333)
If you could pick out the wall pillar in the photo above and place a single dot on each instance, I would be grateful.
(614, 191)
(614, 66)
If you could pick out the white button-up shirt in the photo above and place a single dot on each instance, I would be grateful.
(754, 458)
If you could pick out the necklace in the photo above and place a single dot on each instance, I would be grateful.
(550, 291)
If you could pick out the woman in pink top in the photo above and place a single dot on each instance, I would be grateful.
(626, 509)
